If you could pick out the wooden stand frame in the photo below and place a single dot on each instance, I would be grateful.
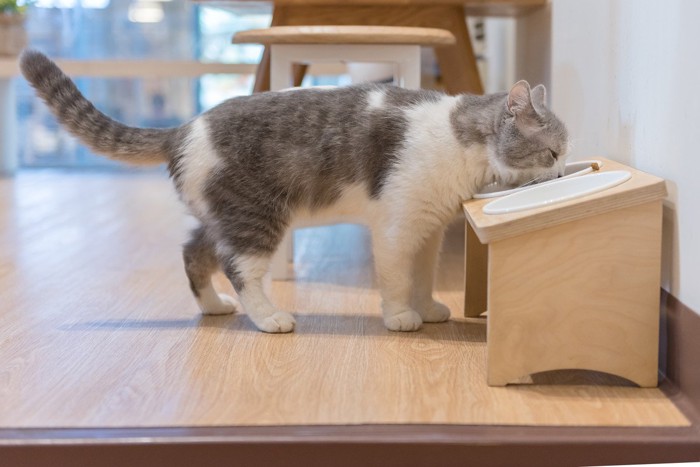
(580, 294)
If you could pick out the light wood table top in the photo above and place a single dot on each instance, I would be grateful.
(345, 35)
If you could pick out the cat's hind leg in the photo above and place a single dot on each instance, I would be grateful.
(250, 226)
(424, 270)
(200, 263)
(246, 273)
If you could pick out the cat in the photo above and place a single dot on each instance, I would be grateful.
(399, 160)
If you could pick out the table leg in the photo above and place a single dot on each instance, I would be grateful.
(298, 73)
(476, 260)
(458, 68)
(262, 75)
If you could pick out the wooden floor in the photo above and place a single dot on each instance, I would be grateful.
(98, 329)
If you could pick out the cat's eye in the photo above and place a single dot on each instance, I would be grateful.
(554, 154)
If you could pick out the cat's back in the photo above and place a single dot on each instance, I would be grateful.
(307, 146)
(318, 105)
(352, 130)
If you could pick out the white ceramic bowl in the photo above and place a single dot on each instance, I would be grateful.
(573, 169)
(557, 191)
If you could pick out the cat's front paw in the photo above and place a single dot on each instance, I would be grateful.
(224, 306)
(279, 322)
(407, 320)
(435, 312)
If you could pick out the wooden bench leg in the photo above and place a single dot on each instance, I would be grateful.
(280, 17)
(458, 68)
(262, 75)
(581, 295)
(476, 266)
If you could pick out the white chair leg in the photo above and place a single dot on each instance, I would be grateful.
(408, 69)
(280, 70)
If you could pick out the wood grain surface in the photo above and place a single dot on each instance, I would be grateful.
(345, 35)
(476, 264)
(584, 295)
(99, 330)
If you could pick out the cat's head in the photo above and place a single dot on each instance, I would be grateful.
(531, 143)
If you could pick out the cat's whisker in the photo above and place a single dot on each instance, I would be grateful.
(531, 181)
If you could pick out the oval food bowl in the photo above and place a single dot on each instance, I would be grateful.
(572, 169)
(556, 191)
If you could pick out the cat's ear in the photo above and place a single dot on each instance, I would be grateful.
(519, 99)
(520, 105)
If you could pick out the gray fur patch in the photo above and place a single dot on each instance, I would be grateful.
(475, 119)
(400, 97)
(533, 150)
(200, 260)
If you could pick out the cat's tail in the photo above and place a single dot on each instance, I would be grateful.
(96, 130)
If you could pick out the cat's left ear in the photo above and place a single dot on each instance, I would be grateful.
(521, 106)
(519, 99)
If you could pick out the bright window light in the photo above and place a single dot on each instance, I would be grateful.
(94, 4)
(146, 12)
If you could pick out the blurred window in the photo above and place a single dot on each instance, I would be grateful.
(133, 30)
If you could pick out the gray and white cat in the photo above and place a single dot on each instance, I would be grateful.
(399, 160)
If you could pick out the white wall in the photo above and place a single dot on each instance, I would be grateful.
(625, 77)
(499, 51)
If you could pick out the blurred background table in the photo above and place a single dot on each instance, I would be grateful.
(458, 68)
